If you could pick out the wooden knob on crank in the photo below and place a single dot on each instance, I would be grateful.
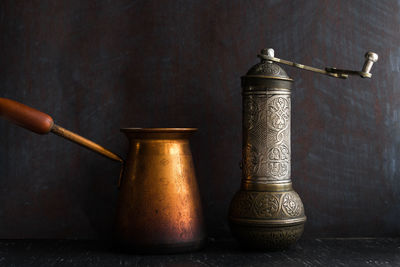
(26, 117)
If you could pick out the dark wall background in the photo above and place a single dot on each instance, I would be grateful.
(96, 66)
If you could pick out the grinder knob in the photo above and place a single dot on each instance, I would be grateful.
(370, 59)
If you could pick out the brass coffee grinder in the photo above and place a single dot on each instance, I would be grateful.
(267, 213)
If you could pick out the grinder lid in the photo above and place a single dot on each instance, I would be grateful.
(268, 69)
(266, 74)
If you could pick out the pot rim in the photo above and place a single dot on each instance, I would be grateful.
(158, 130)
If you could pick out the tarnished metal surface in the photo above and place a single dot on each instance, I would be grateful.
(266, 131)
(101, 65)
(264, 216)
(370, 59)
(159, 208)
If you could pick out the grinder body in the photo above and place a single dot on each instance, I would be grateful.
(266, 213)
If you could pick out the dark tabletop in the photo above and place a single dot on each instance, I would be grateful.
(307, 252)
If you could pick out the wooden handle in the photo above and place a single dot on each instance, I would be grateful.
(26, 117)
(41, 123)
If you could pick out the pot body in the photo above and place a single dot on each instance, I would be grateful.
(159, 207)
(266, 213)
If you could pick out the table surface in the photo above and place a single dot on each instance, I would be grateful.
(307, 252)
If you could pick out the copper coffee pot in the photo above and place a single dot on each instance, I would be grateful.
(266, 213)
(159, 207)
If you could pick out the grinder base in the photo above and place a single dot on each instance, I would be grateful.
(268, 220)
(266, 238)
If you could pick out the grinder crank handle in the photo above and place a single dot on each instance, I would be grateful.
(370, 59)
(41, 123)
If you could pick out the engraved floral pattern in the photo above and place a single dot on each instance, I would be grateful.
(268, 238)
(278, 113)
(269, 69)
(266, 131)
(290, 204)
(256, 206)
(252, 111)
(266, 205)
(242, 204)
(266, 68)
(251, 161)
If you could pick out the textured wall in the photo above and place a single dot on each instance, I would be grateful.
(96, 66)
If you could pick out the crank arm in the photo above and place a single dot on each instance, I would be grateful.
(370, 59)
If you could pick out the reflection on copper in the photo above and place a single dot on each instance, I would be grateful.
(159, 206)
